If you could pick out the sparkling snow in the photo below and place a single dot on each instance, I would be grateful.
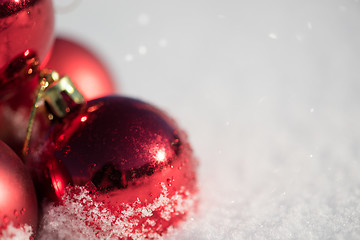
(275, 123)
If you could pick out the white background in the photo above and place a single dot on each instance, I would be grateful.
(268, 92)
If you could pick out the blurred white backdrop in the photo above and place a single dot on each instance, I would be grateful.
(268, 92)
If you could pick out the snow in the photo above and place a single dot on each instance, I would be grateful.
(80, 216)
(10, 232)
(275, 123)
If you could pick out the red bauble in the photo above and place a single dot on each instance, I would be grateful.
(132, 158)
(69, 58)
(87, 72)
(26, 30)
(18, 204)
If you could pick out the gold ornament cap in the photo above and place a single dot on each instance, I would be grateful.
(60, 96)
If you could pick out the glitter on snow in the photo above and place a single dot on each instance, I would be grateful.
(10, 232)
(80, 217)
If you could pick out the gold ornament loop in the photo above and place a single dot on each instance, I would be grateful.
(60, 95)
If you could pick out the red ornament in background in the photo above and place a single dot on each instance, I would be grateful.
(26, 35)
(18, 204)
(120, 159)
(87, 72)
(130, 156)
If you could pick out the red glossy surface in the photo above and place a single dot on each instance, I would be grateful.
(68, 58)
(125, 151)
(18, 202)
(84, 68)
(26, 30)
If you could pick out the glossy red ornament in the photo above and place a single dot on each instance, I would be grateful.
(130, 156)
(70, 58)
(26, 35)
(85, 69)
(18, 204)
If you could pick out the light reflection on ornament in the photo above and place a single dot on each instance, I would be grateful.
(58, 184)
(26, 53)
(26, 30)
(16, 191)
(4, 192)
(160, 155)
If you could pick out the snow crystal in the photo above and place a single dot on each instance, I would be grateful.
(143, 19)
(10, 232)
(142, 50)
(272, 36)
(230, 70)
(82, 217)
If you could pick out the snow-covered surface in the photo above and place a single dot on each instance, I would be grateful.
(268, 92)
(80, 217)
(12, 232)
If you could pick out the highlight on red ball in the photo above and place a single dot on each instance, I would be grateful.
(18, 203)
(26, 36)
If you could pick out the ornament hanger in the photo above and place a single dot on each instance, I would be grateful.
(59, 94)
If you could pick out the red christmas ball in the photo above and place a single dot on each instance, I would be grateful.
(85, 69)
(26, 30)
(70, 58)
(129, 163)
(18, 204)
